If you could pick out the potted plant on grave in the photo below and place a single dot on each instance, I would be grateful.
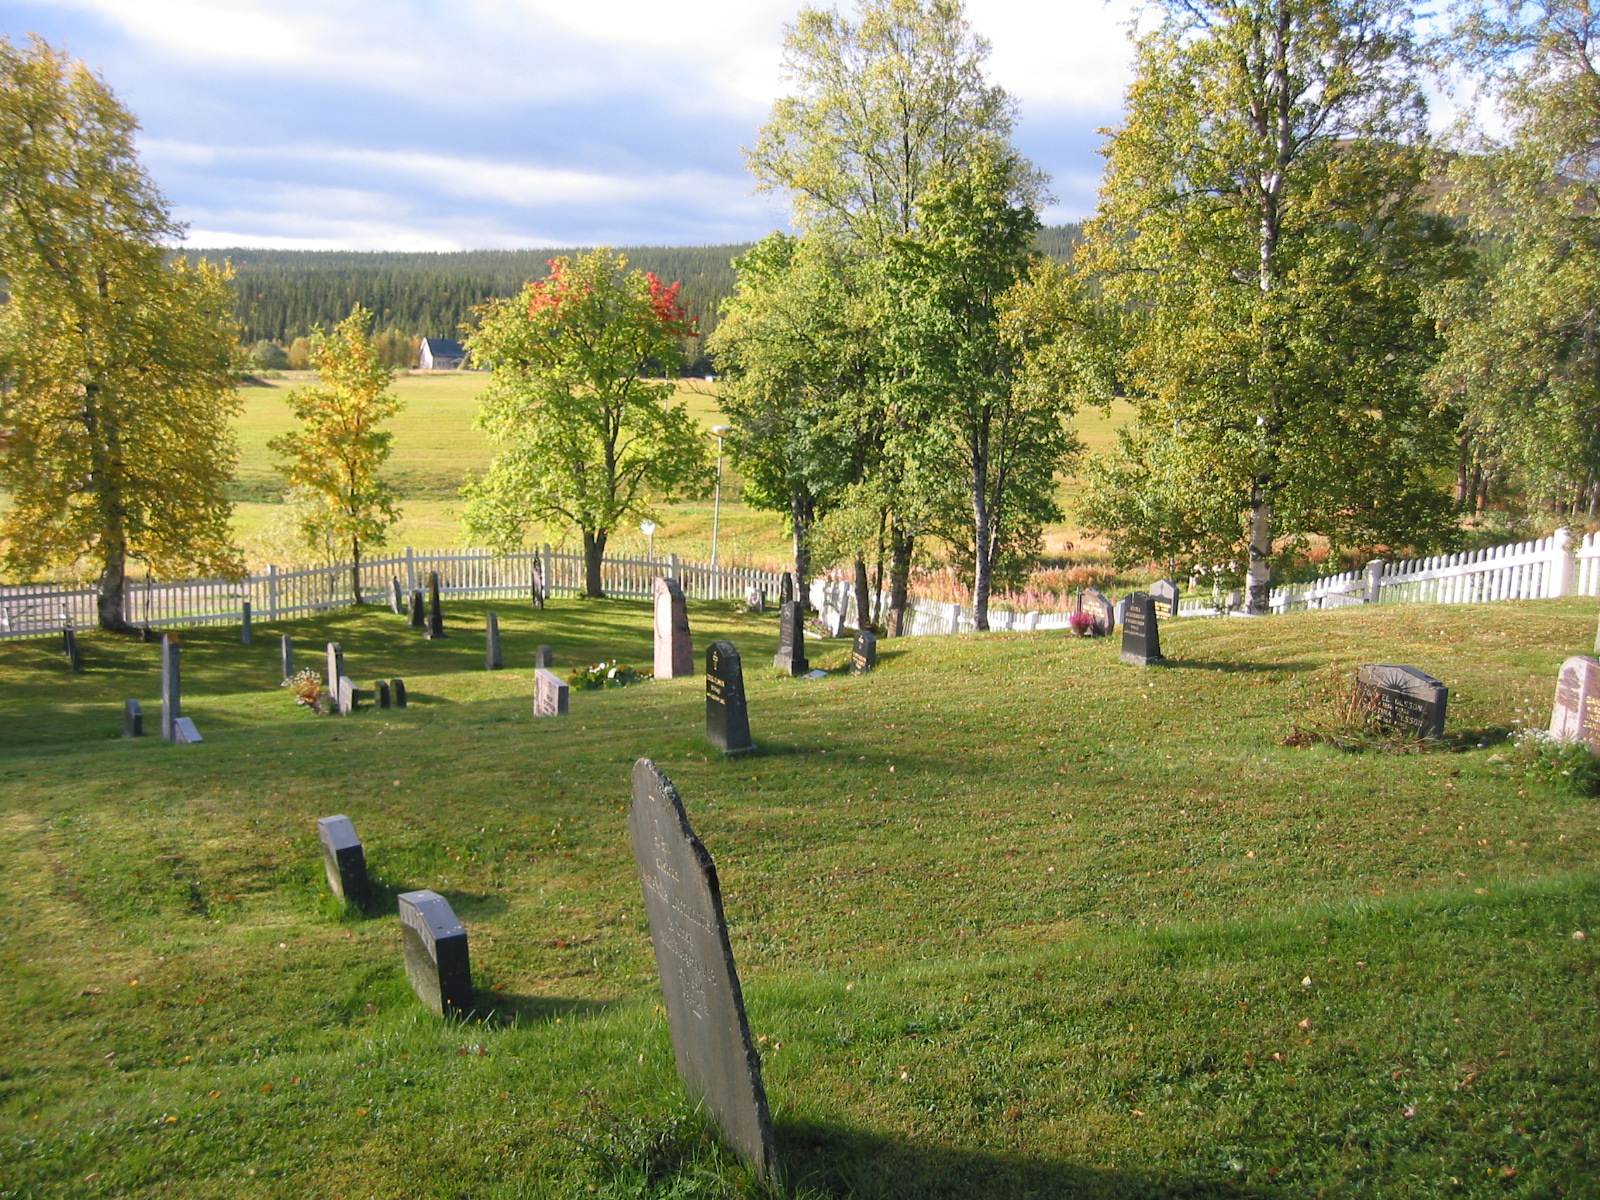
(1082, 624)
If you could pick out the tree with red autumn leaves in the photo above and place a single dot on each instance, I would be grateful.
(589, 431)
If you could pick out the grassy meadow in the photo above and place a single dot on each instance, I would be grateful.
(1012, 920)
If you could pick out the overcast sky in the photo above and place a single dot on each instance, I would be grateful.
(425, 125)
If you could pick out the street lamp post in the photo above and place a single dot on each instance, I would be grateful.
(648, 528)
(716, 502)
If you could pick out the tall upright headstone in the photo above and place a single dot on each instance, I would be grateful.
(711, 1042)
(492, 661)
(1576, 716)
(435, 949)
(785, 588)
(435, 612)
(335, 668)
(674, 647)
(727, 714)
(419, 617)
(398, 687)
(544, 657)
(536, 584)
(73, 653)
(864, 654)
(1405, 699)
(244, 623)
(1164, 592)
(1119, 613)
(344, 861)
(286, 655)
(132, 719)
(380, 691)
(1096, 605)
(171, 689)
(397, 600)
(791, 655)
(551, 694)
(1141, 635)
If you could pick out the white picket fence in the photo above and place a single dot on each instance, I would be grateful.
(32, 610)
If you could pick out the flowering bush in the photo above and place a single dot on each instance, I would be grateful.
(605, 675)
(1564, 764)
(1081, 623)
(308, 691)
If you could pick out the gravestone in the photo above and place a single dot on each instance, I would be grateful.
(834, 621)
(791, 655)
(171, 689)
(894, 622)
(435, 612)
(398, 687)
(727, 714)
(536, 582)
(544, 657)
(1576, 717)
(380, 689)
(491, 644)
(551, 694)
(785, 588)
(436, 953)
(184, 732)
(244, 623)
(1165, 594)
(419, 619)
(1405, 698)
(711, 1041)
(74, 655)
(335, 668)
(347, 697)
(146, 634)
(344, 861)
(1141, 635)
(1097, 606)
(864, 654)
(674, 649)
(397, 599)
(755, 599)
(286, 655)
(1119, 613)
(132, 719)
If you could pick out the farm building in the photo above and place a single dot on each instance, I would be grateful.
(441, 354)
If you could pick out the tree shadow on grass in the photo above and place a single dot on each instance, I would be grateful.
(1227, 667)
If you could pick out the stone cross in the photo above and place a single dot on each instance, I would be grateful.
(1141, 636)
(435, 613)
(435, 949)
(492, 660)
(551, 694)
(1405, 698)
(171, 689)
(791, 656)
(344, 861)
(864, 654)
(286, 655)
(727, 714)
(711, 1042)
(132, 719)
(335, 667)
(1576, 716)
(674, 648)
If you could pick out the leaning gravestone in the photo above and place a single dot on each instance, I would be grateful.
(791, 656)
(132, 719)
(397, 599)
(436, 953)
(398, 687)
(1097, 606)
(674, 648)
(171, 689)
(1141, 636)
(491, 644)
(335, 668)
(1165, 594)
(435, 612)
(711, 1041)
(544, 657)
(864, 654)
(286, 655)
(184, 732)
(344, 861)
(419, 618)
(551, 694)
(727, 714)
(380, 690)
(1405, 698)
(1576, 717)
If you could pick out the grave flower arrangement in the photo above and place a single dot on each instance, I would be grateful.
(306, 687)
(605, 675)
(1081, 624)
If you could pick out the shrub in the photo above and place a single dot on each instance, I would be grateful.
(605, 675)
(1081, 623)
(1564, 764)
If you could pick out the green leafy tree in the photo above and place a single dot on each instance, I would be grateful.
(1262, 231)
(589, 433)
(115, 389)
(332, 461)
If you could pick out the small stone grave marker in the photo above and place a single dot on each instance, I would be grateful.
(419, 618)
(347, 697)
(1405, 698)
(755, 599)
(1119, 613)
(184, 732)
(398, 687)
(380, 689)
(171, 689)
(335, 668)
(1098, 607)
(436, 953)
(1576, 717)
(1165, 594)
(1141, 635)
(435, 611)
(286, 655)
(344, 861)
(397, 599)
(492, 661)
(727, 714)
(711, 1042)
(244, 623)
(544, 657)
(674, 647)
(132, 719)
(791, 656)
(551, 694)
(864, 654)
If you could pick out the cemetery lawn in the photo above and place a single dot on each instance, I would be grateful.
(1012, 920)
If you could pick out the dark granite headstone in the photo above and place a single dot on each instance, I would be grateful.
(74, 655)
(286, 655)
(791, 656)
(397, 597)
(132, 719)
(727, 714)
(335, 668)
(146, 634)
(1405, 698)
(398, 687)
(1141, 636)
(544, 657)
(380, 689)
(344, 861)
(435, 612)
(551, 694)
(244, 623)
(492, 661)
(864, 655)
(436, 953)
(419, 616)
(711, 1042)
(1165, 594)
(1576, 717)
(171, 689)
(674, 647)
(1104, 614)
(785, 588)
(755, 599)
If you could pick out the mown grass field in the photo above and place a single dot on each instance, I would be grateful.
(1012, 920)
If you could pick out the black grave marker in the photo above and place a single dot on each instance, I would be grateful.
(727, 714)
(1094, 603)
(791, 656)
(380, 689)
(436, 953)
(397, 599)
(132, 719)
(344, 861)
(1141, 636)
(74, 655)
(419, 619)
(864, 654)
(435, 612)
(785, 588)
(492, 661)
(398, 687)
(536, 582)
(1405, 698)
(286, 655)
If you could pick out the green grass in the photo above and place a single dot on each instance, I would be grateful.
(1012, 920)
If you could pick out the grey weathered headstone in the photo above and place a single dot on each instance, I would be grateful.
(1141, 634)
(492, 661)
(435, 612)
(397, 599)
(398, 687)
(1165, 594)
(727, 714)
(335, 669)
(1119, 613)
(244, 623)
(344, 861)
(894, 622)
(864, 654)
(1576, 716)
(1405, 698)
(419, 618)
(184, 732)
(674, 647)
(1097, 606)
(347, 697)
(791, 655)
(785, 588)
(711, 1042)
(171, 689)
(544, 657)
(551, 694)
(536, 583)
(380, 690)
(437, 963)
(286, 655)
(74, 655)
(755, 599)
(132, 719)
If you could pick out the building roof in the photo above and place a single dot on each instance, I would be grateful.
(444, 347)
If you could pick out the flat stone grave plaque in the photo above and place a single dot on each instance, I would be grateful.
(674, 647)
(184, 732)
(419, 617)
(436, 953)
(711, 1041)
(491, 644)
(1101, 609)
(171, 689)
(1165, 594)
(551, 694)
(755, 599)
(435, 611)
(1141, 636)
(791, 655)
(344, 861)
(544, 657)
(1405, 698)
(1576, 717)
(132, 719)
(864, 654)
(398, 687)
(286, 655)
(380, 691)
(727, 714)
